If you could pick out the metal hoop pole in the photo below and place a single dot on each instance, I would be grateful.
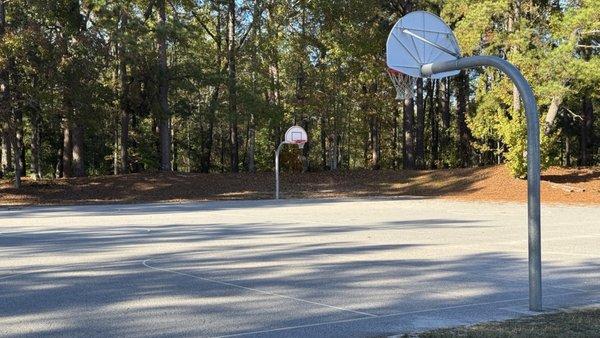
(277, 169)
(533, 159)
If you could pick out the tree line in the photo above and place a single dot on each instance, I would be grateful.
(94, 87)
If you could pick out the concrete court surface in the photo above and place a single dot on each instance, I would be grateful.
(309, 268)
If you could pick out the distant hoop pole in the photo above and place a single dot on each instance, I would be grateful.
(277, 170)
(300, 145)
(533, 158)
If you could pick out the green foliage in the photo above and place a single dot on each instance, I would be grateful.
(317, 63)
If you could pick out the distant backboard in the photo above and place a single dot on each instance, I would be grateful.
(296, 135)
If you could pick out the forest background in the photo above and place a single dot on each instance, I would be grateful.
(98, 87)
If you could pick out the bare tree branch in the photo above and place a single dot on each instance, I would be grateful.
(573, 114)
(203, 25)
(251, 26)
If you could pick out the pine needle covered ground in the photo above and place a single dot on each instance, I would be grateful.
(578, 186)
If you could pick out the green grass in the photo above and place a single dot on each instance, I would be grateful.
(576, 323)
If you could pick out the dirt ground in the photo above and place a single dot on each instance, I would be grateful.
(573, 323)
(559, 185)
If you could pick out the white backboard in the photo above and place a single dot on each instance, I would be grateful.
(413, 40)
(296, 135)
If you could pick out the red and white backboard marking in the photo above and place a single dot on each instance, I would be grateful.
(296, 135)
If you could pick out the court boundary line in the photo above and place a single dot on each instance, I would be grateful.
(145, 263)
(391, 315)
(15, 275)
(366, 315)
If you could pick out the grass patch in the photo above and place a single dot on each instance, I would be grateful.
(576, 323)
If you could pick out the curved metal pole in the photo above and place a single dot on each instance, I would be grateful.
(277, 169)
(533, 158)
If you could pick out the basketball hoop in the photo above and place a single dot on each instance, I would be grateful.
(421, 45)
(404, 84)
(295, 135)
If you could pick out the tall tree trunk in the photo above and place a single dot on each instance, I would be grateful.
(444, 102)
(251, 145)
(67, 150)
(306, 150)
(593, 144)
(586, 134)
(396, 154)
(16, 123)
(207, 138)
(251, 137)
(366, 147)
(232, 86)
(175, 151)
(375, 144)
(223, 142)
(464, 137)
(116, 136)
(58, 169)
(77, 141)
(36, 169)
(335, 151)
(164, 124)
(16, 143)
(408, 138)
(444, 113)
(420, 127)
(11, 114)
(20, 142)
(5, 106)
(567, 152)
(553, 112)
(323, 139)
(124, 99)
(433, 123)
(6, 150)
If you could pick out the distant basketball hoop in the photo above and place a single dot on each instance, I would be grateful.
(295, 135)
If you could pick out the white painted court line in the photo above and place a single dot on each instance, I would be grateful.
(145, 263)
(390, 315)
(524, 311)
(15, 275)
(367, 315)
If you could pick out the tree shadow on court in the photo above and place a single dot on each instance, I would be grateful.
(170, 208)
(216, 279)
(91, 240)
